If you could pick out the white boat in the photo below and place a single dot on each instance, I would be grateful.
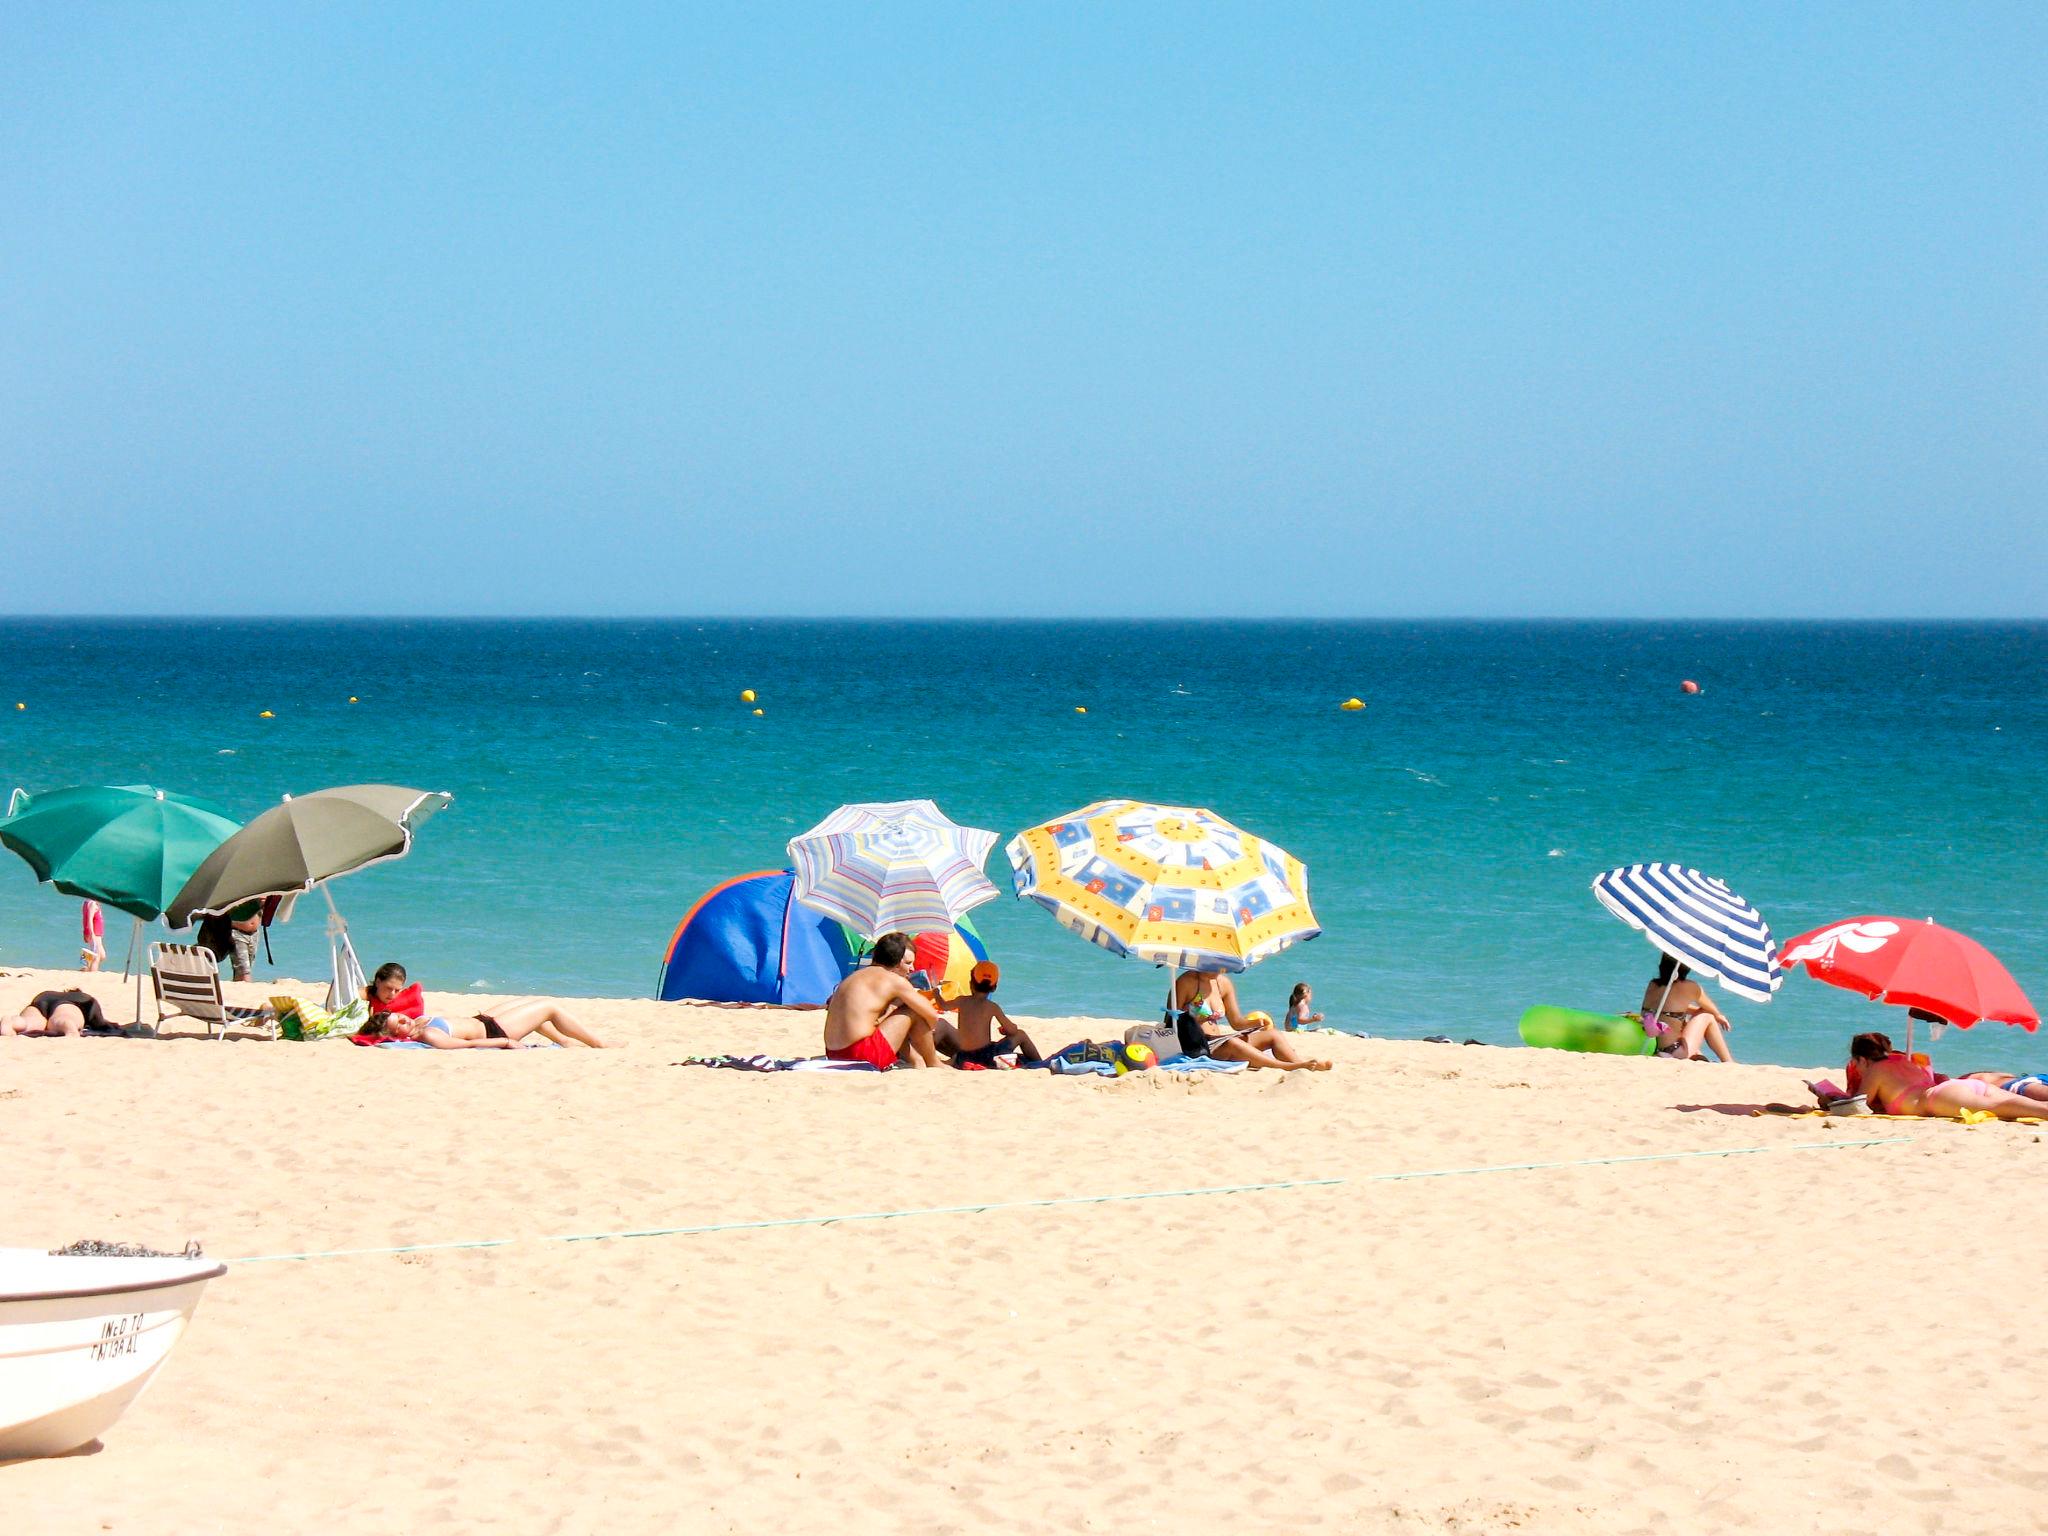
(80, 1337)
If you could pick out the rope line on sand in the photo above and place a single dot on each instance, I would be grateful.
(983, 1207)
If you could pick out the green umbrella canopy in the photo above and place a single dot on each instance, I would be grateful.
(127, 845)
(309, 838)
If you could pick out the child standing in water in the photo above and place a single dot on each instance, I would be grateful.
(979, 1016)
(1298, 1001)
(92, 947)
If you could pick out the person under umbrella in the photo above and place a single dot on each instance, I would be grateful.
(1940, 977)
(1176, 886)
(128, 846)
(1697, 924)
(1688, 1015)
(1895, 1083)
(1209, 1023)
(302, 844)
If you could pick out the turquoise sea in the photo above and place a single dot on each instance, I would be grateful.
(605, 773)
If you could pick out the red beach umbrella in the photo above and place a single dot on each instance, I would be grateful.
(1913, 965)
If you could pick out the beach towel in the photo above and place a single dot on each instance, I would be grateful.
(1967, 1117)
(732, 1063)
(1061, 1066)
(383, 1042)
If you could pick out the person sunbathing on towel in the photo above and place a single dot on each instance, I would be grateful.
(1209, 1022)
(51, 1015)
(1896, 1084)
(876, 1015)
(2028, 1085)
(504, 1028)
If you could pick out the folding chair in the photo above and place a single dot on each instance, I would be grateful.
(187, 983)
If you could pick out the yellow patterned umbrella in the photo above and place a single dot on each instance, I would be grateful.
(1166, 883)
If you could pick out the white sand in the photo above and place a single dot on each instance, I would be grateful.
(1798, 1340)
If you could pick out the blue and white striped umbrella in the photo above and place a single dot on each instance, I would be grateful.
(892, 866)
(1698, 920)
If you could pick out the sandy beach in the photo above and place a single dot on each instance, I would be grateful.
(1409, 1329)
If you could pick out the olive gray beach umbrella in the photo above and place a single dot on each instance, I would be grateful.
(303, 843)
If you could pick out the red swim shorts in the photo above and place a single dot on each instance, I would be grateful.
(872, 1048)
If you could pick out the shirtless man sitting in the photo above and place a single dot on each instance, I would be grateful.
(876, 1013)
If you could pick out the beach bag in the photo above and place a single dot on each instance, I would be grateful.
(1163, 1038)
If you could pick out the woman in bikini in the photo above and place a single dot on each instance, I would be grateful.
(1205, 1013)
(1688, 1016)
(504, 1028)
(1896, 1084)
(2028, 1085)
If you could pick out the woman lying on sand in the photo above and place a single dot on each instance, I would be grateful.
(1209, 1023)
(504, 1029)
(51, 1015)
(1895, 1084)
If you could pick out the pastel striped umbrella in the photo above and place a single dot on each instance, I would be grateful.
(1169, 884)
(1698, 920)
(892, 866)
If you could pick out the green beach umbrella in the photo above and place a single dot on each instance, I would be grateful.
(127, 846)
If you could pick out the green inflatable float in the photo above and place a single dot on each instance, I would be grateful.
(1569, 1029)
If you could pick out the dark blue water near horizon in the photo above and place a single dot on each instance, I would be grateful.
(605, 773)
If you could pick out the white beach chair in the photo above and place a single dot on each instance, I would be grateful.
(186, 979)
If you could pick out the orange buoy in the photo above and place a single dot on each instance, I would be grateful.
(1688, 686)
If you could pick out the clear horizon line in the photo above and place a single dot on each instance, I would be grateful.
(302, 617)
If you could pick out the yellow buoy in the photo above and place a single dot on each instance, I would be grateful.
(1352, 704)
(746, 695)
(757, 711)
(266, 715)
(21, 706)
(1080, 709)
(352, 698)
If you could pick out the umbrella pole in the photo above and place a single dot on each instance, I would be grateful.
(134, 944)
(347, 969)
(1666, 998)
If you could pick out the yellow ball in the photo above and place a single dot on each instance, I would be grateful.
(757, 711)
(266, 715)
(1080, 709)
(352, 698)
(746, 695)
(1352, 704)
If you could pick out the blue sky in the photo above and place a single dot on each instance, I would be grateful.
(1034, 309)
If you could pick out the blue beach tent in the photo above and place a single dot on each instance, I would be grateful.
(749, 941)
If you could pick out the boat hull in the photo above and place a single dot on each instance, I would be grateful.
(81, 1338)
